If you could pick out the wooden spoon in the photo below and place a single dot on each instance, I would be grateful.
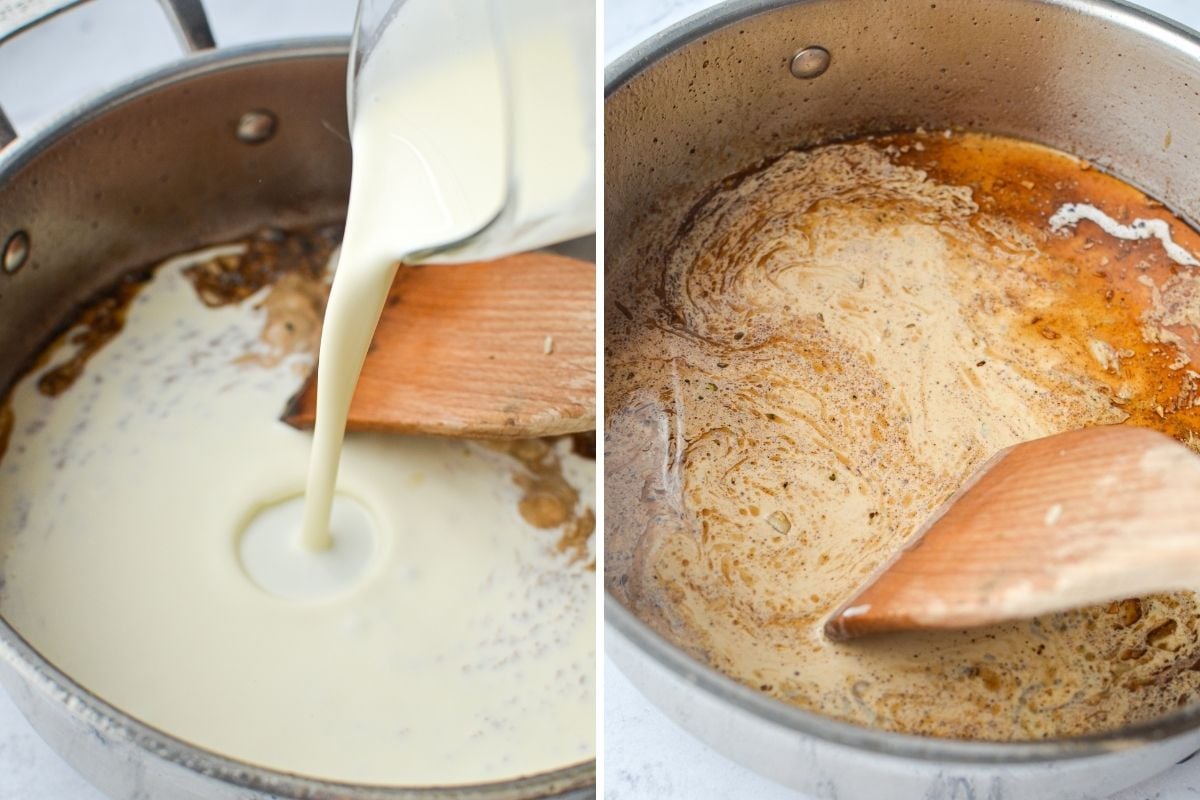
(492, 350)
(1067, 521)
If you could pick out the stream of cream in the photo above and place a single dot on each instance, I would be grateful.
(429, 148)
(431, 136)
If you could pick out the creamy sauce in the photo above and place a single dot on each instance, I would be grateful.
(802, 365)
(462, 650)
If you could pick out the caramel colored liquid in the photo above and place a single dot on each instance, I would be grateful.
(1104, 287)
(811, 359)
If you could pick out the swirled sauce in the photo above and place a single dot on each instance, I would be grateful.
(805, 362)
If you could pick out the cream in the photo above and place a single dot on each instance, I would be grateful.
(434, 128)
(460, 649)
(1071, 214)
(427, 172)
(164, 546)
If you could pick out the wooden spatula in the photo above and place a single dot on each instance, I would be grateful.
(491, 350)
(1079, 518)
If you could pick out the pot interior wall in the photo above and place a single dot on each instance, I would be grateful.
(162, 171)
(1094, 79)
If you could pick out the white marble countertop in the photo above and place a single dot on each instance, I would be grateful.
(646, 756)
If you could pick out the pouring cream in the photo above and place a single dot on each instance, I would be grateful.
(155, 542)
(432, 124)
(427, 172)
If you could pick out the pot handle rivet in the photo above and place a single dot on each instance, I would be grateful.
(16, 252)
(810, 62)
(256, 127)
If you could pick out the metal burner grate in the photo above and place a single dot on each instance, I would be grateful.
(187, 18)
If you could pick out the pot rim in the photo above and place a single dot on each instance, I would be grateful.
(620, 620)
(110, 723)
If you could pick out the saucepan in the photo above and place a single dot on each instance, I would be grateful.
(208, 149)
(749, 79)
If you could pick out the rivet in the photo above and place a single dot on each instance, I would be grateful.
(256, 127)
(811, 62)
(16, 252)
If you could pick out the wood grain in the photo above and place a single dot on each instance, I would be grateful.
(491, 350)
(1083, 517)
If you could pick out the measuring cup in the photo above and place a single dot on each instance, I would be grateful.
(532, 116)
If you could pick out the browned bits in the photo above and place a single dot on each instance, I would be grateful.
(6, 426)
(1160, 633)
(576, 534)
(543, 509)
(1050, 333)
(1128, 611)
(92, 329)
(986, 675)
(269, 254)
(549, 501)
(295, 307)
(584, 445)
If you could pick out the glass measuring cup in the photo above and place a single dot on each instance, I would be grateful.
(533, 124)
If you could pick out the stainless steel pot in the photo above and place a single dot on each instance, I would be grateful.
(742, 81)
(203, 151)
